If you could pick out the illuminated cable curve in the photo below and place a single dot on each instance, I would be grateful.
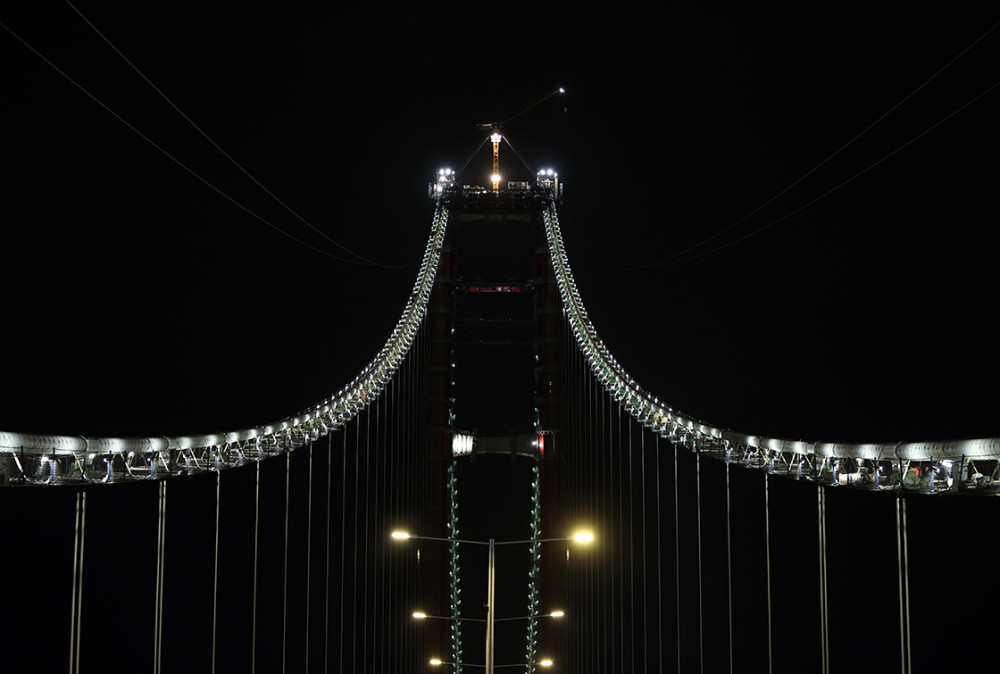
(662, 419)
(234, 448)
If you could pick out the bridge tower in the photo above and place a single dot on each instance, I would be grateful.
(434, 558)
(548, 316)
(496, 315)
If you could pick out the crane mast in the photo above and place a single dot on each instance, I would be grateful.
(495, 137)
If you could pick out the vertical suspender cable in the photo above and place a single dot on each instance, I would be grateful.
(414, 468)
(371, 524)
(701, 610)
(256, 548)
(364, 585)
(902, 594)
(389, 597)
(309, 519)
(215, 564)
(393, 513)
(79, 596)
(76, 602)
(645, 588)
(729, 567)
(588, 419)
(343, 546)
(593, 443)
(354, 585)
(385, 450)
(160, 555)
(387, 465)
(767, 559)
(156, 584)
(631, 539)
(609, 514)
(284, 563)
(659, 561)
(405, 503)
(677, 553)
(399, 497)
(377, 526)
(326, 574)
(824, 614)
(822, 597)
(589, 486)
(906, 585)
(76, 582)
(826, 595)
(621, 535)
(396, 497)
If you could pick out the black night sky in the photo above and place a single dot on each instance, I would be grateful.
(138, 301)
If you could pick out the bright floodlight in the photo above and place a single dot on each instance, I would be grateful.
(546, 663)
(583, 537)
(435, 661)
(495, 177)
(399, 535)
(419, 615)
(461, 444)
(557, 614)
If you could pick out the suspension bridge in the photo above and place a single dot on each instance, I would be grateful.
(495, 419)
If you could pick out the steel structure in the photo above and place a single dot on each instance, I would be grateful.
(602, 446)
(916, 465)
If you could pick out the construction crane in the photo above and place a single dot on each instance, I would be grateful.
(496, 136)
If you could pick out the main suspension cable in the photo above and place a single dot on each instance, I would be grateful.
(679, 256)
(829, 191)
(171, 157)
(214, 144)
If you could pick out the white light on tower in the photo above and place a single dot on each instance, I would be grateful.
(461, 444)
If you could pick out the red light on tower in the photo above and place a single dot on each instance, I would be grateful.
(541, 445)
